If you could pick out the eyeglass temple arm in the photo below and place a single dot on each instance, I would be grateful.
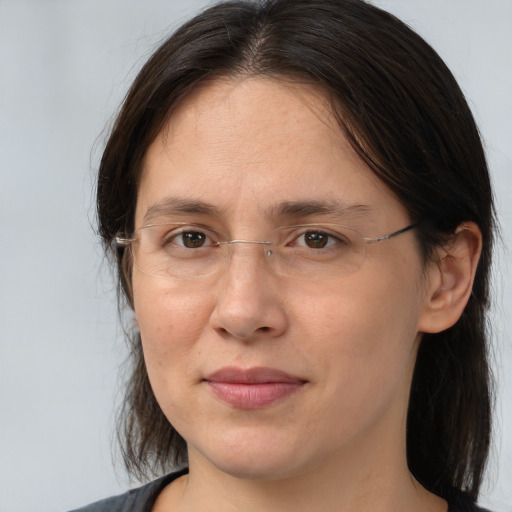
(120, 241)
(390, 235)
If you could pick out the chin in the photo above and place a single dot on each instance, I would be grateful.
(254, 469)
(250, 458)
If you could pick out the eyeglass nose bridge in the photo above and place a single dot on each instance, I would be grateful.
(240, 241)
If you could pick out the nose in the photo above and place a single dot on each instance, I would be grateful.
(249, 305)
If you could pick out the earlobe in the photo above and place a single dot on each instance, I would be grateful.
(451, 279)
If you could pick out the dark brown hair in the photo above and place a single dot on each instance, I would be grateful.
(405, 115)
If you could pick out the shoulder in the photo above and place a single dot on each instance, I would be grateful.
(140, 499)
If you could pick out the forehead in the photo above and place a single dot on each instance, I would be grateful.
(246, 146)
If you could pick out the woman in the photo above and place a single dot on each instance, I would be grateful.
(300, 209)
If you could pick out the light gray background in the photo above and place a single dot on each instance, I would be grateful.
(64, 67)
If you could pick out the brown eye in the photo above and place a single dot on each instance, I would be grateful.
(192, 239)
(316, 239)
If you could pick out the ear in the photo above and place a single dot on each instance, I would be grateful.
(450, 279)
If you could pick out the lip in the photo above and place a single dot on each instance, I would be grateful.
(253, 388)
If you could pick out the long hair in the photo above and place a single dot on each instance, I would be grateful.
(406, 117)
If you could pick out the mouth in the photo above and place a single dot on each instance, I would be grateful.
(253, 388)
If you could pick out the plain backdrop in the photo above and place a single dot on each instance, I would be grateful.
(64, 67)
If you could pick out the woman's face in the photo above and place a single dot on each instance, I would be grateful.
(268, 376)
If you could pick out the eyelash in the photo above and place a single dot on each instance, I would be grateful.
(333, 239)
(171, 237)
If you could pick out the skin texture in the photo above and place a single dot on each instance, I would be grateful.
(337, 443)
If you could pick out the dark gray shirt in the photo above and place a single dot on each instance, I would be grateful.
(141, 499)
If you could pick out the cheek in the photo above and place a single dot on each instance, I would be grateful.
(359, 337)
(364, 334)
(170, 320)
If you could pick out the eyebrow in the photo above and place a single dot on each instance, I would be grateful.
(334, 208)
(171, 206)
(176, 206)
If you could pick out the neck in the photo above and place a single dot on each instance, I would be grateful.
(358, 484)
